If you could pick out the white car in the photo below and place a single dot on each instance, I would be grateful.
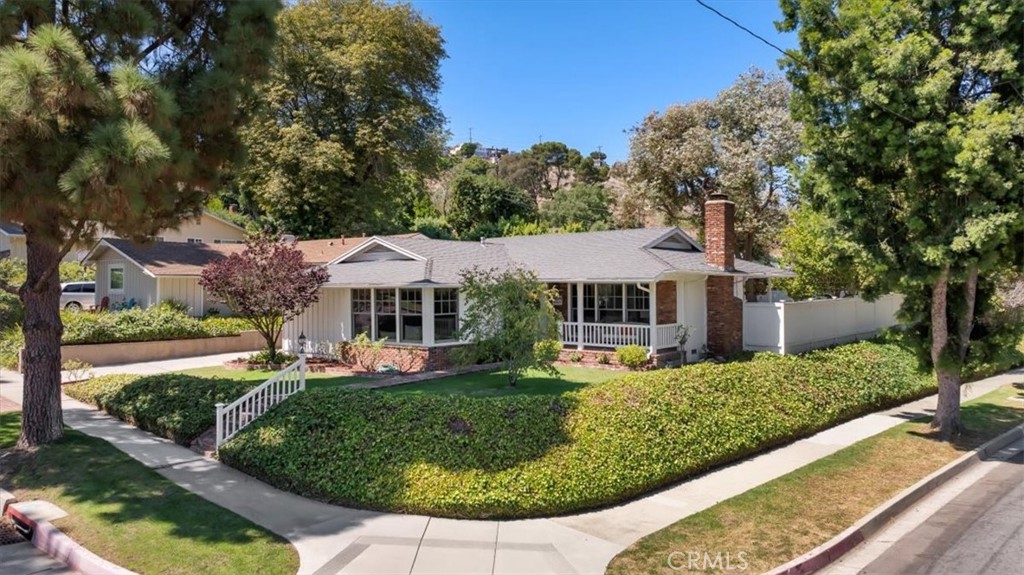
(76, 296)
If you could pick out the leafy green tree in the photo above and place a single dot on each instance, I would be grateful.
(741, 143)
(826, 262)
(509, 318)
(560, 161)
(584, 204)
(112, 114)
(913, 122)
(468, 150)
(525, 172)
(478, 199)
(592, 168)
(348, 113)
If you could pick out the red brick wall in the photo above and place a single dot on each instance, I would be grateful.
(725, 317)
(666, 302)
(719, 232)
(412, 359)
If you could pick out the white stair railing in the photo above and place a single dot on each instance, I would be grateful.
(234, 416)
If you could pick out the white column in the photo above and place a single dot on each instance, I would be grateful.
(428, 316)
(579, 315)
(653, 307)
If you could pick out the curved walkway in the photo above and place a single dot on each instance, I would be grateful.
(332, 539)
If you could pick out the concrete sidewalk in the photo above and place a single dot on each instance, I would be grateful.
(332, 539)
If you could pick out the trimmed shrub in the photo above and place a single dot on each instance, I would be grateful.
(178, 407)
(527, 456)
(632, 356)
(163, 322)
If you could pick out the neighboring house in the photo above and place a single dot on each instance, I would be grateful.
(206, 229)
(615, 288)
(159, 271)
(12, 241)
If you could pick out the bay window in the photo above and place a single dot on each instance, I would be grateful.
(398, 314)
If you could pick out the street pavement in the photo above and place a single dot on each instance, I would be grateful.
(972, 525)
(331, 539)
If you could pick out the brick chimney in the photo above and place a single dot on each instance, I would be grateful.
(724, 310)
(720, 232)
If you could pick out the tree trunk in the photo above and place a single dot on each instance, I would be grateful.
(947, 413)
(42, 420)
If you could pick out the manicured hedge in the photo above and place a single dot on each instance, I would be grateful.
(178, 407)
(523, 456)
(151, 324)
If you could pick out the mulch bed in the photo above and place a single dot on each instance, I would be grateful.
(313, 365)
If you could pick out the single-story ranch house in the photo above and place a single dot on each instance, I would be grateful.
(615, 288)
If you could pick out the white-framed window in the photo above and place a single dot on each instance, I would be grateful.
(159, 238)
(397, 314)
(115, 281)
(411, 311)
(615, 303)
(446, 314)
(195, 240)
(362, 312)
(226, 241)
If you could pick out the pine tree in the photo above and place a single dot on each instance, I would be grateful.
(113, 115)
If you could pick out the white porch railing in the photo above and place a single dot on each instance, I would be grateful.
(618, 334)
(233, 417)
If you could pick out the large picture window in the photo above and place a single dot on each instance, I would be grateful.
(446, 314)
(615, 303)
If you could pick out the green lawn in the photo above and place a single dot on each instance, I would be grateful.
(131, 515)
(313, 380)
(495, 383)
(784, 518)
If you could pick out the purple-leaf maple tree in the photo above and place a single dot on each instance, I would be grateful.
(266, 285)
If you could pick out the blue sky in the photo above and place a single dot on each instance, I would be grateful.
(584, 72)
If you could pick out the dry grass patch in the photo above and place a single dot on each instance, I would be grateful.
(782, 519)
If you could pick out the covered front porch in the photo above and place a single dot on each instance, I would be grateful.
(611, 315)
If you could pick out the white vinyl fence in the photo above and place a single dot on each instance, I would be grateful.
(233, 417)
(797, 326)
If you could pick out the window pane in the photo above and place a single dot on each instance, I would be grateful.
(88, 288)
(385, 301)
(445, 328)
(116, 278)
(412, 302)
(362, 323)
(412, 329)
(73, 288)
(446, 314)
(386, 326)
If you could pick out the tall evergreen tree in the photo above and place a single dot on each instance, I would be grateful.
(914, 122)
(118, 115)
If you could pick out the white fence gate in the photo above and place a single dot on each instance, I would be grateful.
(797, 326)
(233, 417)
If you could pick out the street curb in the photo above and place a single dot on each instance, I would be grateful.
(870, 524)
(56, 544)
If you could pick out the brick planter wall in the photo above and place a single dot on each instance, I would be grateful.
(413, 359)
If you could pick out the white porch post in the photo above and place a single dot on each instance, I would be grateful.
(652, 304)
(428, 316)
(579, 316)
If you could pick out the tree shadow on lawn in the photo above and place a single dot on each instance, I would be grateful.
(982, 421)
(100, 485)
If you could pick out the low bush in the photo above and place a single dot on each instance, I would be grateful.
(156, 323)
(178, 407)
(632, 356)
(523, 456)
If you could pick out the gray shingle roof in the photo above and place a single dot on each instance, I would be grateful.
(617, 255)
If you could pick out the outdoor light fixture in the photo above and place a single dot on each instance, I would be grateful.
(302, 342)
